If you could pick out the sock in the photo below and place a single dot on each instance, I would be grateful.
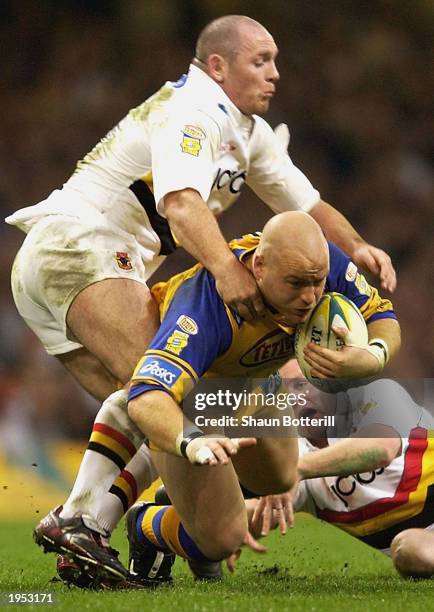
(137, 476)
(112, 445)
(161, 528)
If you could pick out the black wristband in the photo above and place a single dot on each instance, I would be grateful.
(197, 433)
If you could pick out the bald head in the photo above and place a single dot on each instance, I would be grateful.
(224, 36)
(291, 264)
(294, 236)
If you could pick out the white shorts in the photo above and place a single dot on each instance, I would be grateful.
(60, 256)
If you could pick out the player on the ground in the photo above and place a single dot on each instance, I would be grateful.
(377, 484)
(199, 335)
(176, 160)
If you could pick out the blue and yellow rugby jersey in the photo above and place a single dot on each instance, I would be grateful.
(200, 336)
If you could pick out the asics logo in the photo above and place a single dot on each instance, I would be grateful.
(168, 375)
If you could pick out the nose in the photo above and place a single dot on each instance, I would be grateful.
(274, 73)
(308, 295)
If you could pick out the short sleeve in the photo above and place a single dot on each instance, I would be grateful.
(345, 278)
(274, 177)
(194, 332)
(183, 151)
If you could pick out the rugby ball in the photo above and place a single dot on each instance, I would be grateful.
(332, 310)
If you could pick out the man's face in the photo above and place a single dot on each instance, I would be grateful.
(250, 77)
(312, 403)
(293, 287)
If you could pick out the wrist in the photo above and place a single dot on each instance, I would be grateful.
(380, 350)
(189, 446)
(184, 438)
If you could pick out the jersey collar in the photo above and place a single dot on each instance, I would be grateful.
(212, 90)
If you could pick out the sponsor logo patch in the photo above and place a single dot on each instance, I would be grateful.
(123, 260)
(351, 273)
(232, 179)
(192, 135)
(188, 325)
(362, 285)
(275, 346)
(177, 342)
(160, 371)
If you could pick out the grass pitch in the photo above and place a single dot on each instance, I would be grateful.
(314, 567)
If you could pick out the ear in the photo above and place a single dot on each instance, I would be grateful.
(217, 67)
(258, 266)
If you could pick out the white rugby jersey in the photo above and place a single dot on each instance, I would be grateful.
(187, 135)
(375, 506)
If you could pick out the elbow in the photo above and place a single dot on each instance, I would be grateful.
(178, 203)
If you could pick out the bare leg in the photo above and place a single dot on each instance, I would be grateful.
(208, 501)
(269, 467)
(114, 319)
(90, 373)
(413, 553)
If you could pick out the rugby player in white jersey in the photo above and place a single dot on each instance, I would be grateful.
(377, 484)
(79, 280)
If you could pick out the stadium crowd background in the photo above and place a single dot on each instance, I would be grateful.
(355, 89)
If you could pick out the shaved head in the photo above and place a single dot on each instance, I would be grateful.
(224, 36)
(291, 264)
(239, 54)
(294, 236)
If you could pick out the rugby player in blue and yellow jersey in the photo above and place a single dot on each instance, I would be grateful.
(201, 337)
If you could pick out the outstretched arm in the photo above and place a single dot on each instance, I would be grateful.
(353, 455)
(160, 418)
(339, 230)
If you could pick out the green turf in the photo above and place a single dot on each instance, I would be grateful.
(315, 567)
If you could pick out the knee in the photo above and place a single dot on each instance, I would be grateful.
(225, 540)
(282, 482)
(412, 556)
(114, 408)
(287, 480)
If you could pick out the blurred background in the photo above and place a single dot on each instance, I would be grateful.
(356, 91)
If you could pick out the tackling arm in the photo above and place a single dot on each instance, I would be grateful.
(198, 232)
(339, 230)
(353, 455)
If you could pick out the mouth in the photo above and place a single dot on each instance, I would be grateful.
(309, 413)
(302, 312)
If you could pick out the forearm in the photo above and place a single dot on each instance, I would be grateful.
(336, 227)
(349, 456)
(159, 417)
(197, 230)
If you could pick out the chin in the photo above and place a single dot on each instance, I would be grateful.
(299, 318)
(263, 108)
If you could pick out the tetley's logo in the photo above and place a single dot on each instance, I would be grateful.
(233, 179)
(161, 371)
(275, 346)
